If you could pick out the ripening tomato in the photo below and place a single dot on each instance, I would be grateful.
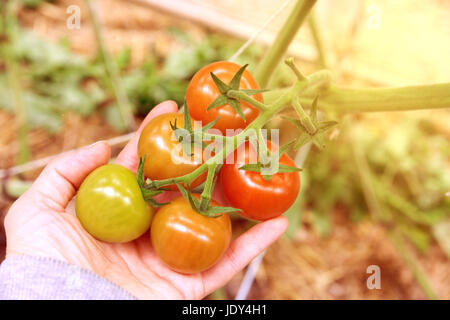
(258, 198)
(110, 205)
(187, 241)
(202, 91)
(164, 155)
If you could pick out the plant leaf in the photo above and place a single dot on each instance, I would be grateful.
(237, 107)
(255, 167)
(220, 101)
(210, 125)
(294, 121)
(236, 81)
(302, 140)
(325, 125)
(215, 211)
(319, 141)
(223, 88)
(286, 147)
(186, 193)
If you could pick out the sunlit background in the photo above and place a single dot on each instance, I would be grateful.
(378, 195)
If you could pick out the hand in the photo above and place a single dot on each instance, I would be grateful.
(42, 223)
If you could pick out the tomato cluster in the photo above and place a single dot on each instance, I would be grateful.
(111, 204)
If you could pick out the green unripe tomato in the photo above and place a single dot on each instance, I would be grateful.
(110, 206)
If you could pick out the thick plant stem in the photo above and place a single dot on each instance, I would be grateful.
(387, 99)
(435, 96)
(284, 38)
(123, 104)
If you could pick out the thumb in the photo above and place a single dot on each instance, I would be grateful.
(59, 181)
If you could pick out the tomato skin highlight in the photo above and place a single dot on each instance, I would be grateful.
(157, 143)
(110, 206)
(259, 199)
(187, 241)
(202, 91)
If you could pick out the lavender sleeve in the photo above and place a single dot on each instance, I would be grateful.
(27, 277)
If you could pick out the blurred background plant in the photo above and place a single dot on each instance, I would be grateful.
(375, 195)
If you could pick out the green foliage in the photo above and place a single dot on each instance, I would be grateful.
(53, 81)
(34, 3)
(56, 81)
(408, 164)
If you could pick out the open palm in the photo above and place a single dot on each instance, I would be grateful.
(42, 223)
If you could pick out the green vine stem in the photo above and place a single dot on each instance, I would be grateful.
(284, 38)
(235, 141)
(123, 104)
(236, 94)
(317, 39)
(304, 118)
(387, 99)
(209, 187)
(435, 96)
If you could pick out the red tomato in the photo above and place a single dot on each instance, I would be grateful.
(260, 199)
(202, 91)
(164, 154)
(187, 241)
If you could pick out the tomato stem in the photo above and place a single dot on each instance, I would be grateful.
(187, 178)
(423, 97)
(209, 187)
(282, 41)
(290, 63)
(305, 120)
(232, 142)
(317, 39)
(123, 104)
(387, 99)
(236, 94)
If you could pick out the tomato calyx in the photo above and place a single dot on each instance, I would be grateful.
(209, 211)
(312, 129)
(266, 159)
(233, 86)
(148, 193)
(186, 136)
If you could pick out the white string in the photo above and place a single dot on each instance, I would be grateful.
(258, 32)
(35, 164)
